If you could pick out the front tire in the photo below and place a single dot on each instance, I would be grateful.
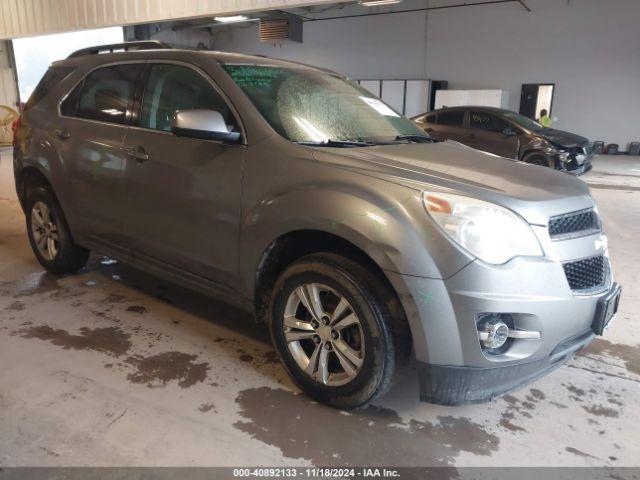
(339, 330)
(536, 158)
(49, 234)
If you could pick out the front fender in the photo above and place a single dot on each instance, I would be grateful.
(388, 223)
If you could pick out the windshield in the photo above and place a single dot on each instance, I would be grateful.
(308, 106)
(523, 121)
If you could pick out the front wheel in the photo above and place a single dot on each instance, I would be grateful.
(540, 159)
(49, 234)
(339, 330)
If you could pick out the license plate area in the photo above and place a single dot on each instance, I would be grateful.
(606, 309)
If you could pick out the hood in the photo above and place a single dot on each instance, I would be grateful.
(562, 138)
(536, 193)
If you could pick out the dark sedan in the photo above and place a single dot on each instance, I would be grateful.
(511, 135)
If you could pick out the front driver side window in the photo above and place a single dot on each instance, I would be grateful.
(171, 88)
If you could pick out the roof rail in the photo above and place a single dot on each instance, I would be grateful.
(126, 46)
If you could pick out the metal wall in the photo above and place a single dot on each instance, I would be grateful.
(8, 90)
(24, 18)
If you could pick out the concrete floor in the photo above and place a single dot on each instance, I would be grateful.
(114, 367)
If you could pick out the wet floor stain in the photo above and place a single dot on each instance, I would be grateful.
(206, 407)
(137, 309)
(109, 340)
(301, 428)
(16, 306)
(271, 357)
(113, 298)
(37, 283)
(518, 409)
(600, 411)
(158, 370)
(579, 453)
(245, 357)
(630, 355)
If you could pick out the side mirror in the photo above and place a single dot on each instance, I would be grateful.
(508, 132)
(202, 124)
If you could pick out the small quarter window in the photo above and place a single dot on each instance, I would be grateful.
(52, 77)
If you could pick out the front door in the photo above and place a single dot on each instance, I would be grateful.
(184, 193)
(489, 133)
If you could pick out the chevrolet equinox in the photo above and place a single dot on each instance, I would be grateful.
(294, 193)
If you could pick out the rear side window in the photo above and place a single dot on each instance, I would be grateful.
(453, 118)
(486, 122)
(52, 77)
(105, 95)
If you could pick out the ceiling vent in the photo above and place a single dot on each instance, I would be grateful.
(281, 29)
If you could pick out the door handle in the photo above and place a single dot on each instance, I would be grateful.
(138, 153)
(63, 133)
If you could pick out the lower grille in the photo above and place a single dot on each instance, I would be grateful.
(587, 275)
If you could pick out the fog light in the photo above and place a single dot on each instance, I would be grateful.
(493, 332)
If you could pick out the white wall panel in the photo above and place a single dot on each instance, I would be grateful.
(393, 94)
(24, 18)
(417, 99)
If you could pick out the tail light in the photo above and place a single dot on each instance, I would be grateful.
(14, 128)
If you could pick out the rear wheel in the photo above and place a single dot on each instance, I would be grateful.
(49, 234)
(338, 330)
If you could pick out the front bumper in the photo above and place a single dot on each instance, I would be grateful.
(533, 290)
(451, 385)
(578, 164)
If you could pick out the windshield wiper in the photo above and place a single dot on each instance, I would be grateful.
(416, 138)
(337, 143)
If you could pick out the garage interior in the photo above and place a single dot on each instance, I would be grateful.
(115, 367)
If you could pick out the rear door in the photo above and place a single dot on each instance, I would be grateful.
(89, 137)
(488, 132)
(183, 194)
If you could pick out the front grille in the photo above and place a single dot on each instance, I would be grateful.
(584, 222)
(588, 274)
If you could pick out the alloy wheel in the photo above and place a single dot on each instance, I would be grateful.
(45, 231)
(323, 334)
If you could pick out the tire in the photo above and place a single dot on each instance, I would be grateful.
(540, 159)
(45, 219)
(380, 339)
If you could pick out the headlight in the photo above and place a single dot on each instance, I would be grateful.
(490, 232)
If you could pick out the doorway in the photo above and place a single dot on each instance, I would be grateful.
(536, 97)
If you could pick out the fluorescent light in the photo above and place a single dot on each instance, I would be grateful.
(375, 3)
(231, 19)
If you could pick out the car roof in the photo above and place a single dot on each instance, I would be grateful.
(93, 57)
(474, 107)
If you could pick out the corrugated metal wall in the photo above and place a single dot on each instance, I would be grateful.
(24, 18)
(8, 91)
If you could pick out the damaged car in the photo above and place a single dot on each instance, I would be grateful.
(511, 135)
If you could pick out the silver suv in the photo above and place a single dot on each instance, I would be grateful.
(294, 193)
